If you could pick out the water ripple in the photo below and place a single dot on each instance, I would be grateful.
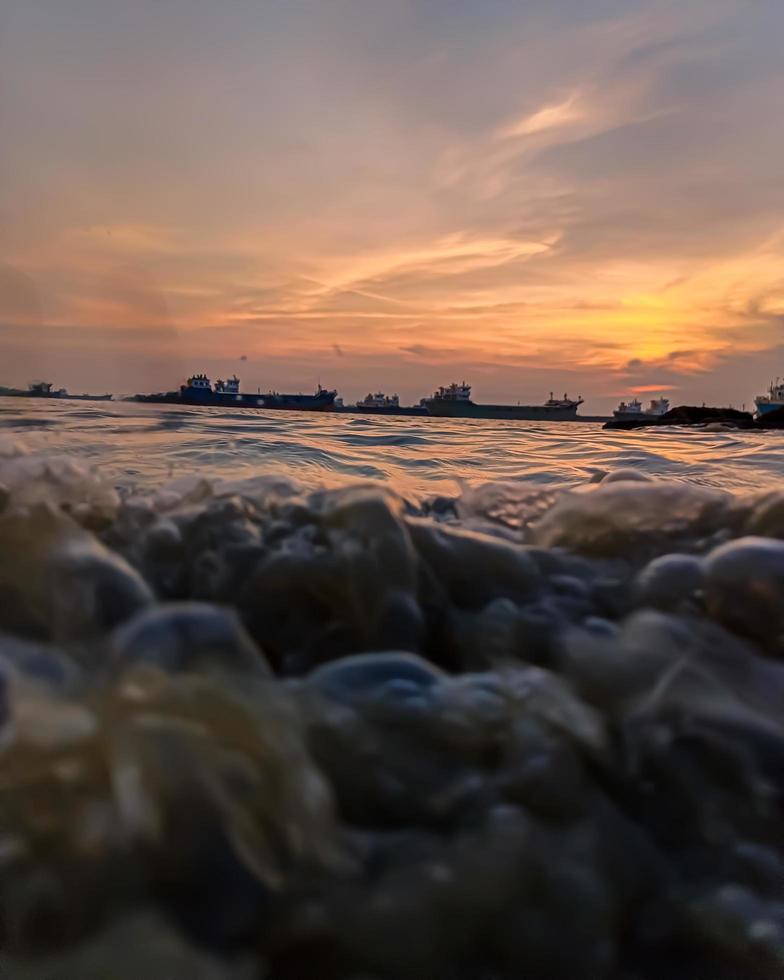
(138, 444)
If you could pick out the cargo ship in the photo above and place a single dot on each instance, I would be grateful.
(45, 389)
(632, 410)
(381, 404)
(198, 390)
(454, 401)
(773, 400)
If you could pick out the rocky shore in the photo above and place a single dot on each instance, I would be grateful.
(258, 731)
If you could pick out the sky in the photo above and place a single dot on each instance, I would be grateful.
(567, 195)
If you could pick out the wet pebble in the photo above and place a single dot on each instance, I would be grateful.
(625, 475)
(92, 591)
(669, 582)
(137, 946)
(58, 582)
(188, 636)
(40, 663)
(475, 568)
(354, 678)
(767, 517)
(744, 586)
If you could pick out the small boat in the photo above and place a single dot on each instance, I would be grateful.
(454, 401)
(381, 404)
(379, 400)
(631, 410)
(772, 400)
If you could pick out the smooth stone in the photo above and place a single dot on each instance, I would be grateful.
(475, 568)
(163, 538)
(6, 692)
(39, 662)
(142, 945)
(668, 581)
(400, 622)
(93, 590)
(744, 585)
(569, 585)
(58, 582)
(188, 636)
(767, 517)
(624, 518)
(626, 475)
(364, 675)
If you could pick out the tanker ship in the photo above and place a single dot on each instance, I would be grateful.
(198, 390)
(454, 401)
(45, 389)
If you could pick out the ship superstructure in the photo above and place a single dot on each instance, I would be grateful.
(383, 404)
(230, 387)
(379, 400)
(773, 399)
(631, 410)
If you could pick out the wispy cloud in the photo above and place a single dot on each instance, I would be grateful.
(547, 117)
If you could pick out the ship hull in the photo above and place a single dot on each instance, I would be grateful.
(764, 408)
(386, 410)
(322, 402)
(18, 393)
(634, 416)
(443, 408)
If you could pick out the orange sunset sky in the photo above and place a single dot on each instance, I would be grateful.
(577, 195)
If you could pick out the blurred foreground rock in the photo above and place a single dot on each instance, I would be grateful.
(264, 733)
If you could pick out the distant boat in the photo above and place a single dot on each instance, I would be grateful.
(379, 400)
(454, 401)
(381, 404)
(772, 400)
(631, 410)
(198, 390)
(43, 389)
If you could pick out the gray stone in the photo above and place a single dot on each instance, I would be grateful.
(189, 636)
(744, 585)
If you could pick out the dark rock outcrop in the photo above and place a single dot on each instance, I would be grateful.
(692, 415)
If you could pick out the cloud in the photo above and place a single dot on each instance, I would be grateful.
(530, 190)
(430, 352)
(547, 117)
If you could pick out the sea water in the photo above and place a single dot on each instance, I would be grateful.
(136, 445)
